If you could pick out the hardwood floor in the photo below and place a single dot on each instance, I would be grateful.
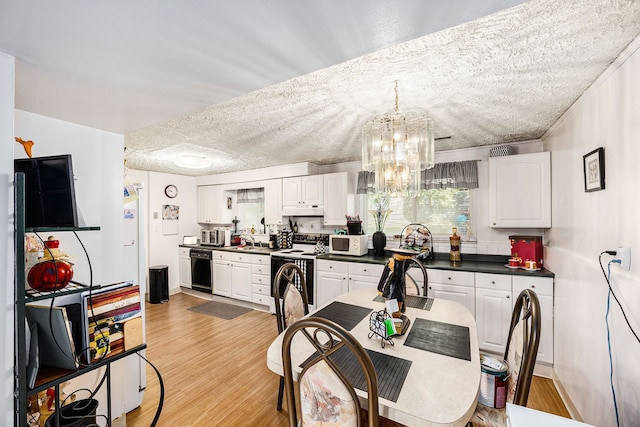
(215, 372)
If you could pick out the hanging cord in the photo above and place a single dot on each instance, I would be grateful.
(161, 401)
(606, 321)
(614, 294)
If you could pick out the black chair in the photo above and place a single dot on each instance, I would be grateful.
(520, 355)
(330, 395)
(289, 291)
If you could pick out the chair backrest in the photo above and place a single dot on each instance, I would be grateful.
(326, 394)
(289, 290)
(416, 274)
(522, 345)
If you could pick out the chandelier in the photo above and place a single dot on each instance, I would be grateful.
(397, 147)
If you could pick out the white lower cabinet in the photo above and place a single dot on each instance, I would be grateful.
(543, 287)
(261, 280)
(362, 275)
(222, 273)
(185, 267)
(241, 276)
(332, 280)
(453, 285)
(494, 305)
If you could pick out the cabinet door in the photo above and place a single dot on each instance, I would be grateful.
(339, 197)
(493, 317)
(312, 190)
(520, 191)
(222, 278)
(273, 201)
(462, 294)
(204, 212)
(543, 287)
(330, 285)
(291, 191)
(185, 272)
(241, 281)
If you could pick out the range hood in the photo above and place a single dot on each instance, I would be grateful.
(312, 210)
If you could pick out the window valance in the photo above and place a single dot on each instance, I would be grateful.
(442, 175)
(251, 195)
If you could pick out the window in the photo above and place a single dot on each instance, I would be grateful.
(438, 209)
(250, 209)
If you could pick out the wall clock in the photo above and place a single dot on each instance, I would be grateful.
(171, 191)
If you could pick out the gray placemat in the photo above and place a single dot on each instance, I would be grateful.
(442, 338)
(345, 315)
(390, 370)
(414, 301)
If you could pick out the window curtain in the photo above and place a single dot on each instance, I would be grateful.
(252, 195)
(442, 175)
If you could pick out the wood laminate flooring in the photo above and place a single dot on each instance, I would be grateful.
(215, 371)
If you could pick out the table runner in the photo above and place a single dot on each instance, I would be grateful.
(442, 338)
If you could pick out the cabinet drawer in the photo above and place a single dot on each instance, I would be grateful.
(333, 266)
(261, 269)
(260, 299)
(462, 278)
(540, 285)
(221, 255)
(363, 269)
(261, 259)
(500, 282)
(243, 257)
(261, 290)
(261, 279)
(184, 252)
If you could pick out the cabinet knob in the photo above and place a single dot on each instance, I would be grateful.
(449, 278)
(430, 287)
(507, 296)
(533, 286)
(365, 270)
(331, 266)
(493, 282)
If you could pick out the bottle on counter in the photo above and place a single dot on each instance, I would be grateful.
(454, 240)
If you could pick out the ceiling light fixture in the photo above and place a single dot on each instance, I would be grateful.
(192, 161)
(397, 147)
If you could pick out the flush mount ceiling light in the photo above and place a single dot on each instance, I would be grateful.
(192, 161)
(397, 147)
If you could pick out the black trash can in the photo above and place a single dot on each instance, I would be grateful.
(158, 284)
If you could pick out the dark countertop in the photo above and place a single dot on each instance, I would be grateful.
(476, 263)
(258, 250)
(493, 264)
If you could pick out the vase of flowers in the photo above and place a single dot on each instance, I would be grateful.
(380, 214)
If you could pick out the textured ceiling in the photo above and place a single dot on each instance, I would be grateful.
(503, 77)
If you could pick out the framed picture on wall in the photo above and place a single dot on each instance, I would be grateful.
(593, 164)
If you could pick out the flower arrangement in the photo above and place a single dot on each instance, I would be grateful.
(381, 211)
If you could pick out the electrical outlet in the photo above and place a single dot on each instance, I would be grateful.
(624, 255)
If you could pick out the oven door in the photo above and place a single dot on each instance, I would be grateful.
(308, 269)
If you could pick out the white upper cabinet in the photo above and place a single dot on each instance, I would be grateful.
(520, 191)
(273, 201)
(339, 197)
(212, 205)
(303, 193)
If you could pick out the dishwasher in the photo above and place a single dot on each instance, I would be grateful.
(201, 271)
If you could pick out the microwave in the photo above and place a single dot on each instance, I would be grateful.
(349, 244)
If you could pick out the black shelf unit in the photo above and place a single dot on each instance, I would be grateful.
(22, 297)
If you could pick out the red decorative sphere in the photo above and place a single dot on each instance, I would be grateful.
(50, 275)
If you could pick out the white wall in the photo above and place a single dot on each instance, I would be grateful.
(7, 243)
(585, 224)
(162, 249)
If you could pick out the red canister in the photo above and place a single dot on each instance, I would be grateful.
(527, 248)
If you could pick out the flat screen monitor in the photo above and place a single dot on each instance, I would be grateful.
(50, 198)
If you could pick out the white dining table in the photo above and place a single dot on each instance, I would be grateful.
(439, 389)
